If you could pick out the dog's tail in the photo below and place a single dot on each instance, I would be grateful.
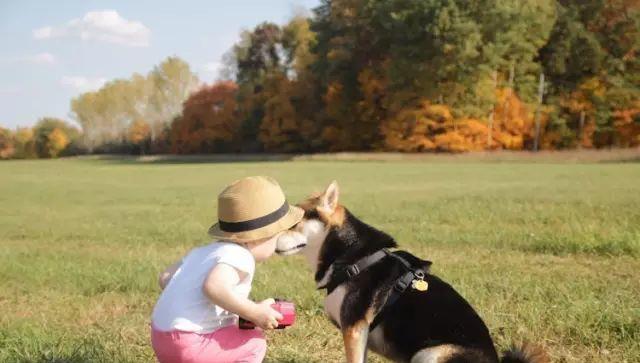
(525, 353)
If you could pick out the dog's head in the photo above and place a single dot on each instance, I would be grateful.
(328, 231)
(322, 213)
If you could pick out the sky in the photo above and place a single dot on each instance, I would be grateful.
(54, 50)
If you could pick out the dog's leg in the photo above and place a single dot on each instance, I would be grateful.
(355, 341)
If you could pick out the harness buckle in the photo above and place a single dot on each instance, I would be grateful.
(352, 270)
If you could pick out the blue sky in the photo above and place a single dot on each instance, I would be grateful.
(53, 50)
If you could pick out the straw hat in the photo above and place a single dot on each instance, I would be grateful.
(253, 208)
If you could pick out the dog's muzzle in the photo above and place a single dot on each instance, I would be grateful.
(290, 242)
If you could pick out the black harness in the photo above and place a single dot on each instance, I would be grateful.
(342, 272)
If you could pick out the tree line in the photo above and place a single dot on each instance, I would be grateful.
(393, 75)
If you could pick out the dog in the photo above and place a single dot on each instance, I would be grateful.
(388, 302)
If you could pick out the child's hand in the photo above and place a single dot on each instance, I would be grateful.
(265, 316)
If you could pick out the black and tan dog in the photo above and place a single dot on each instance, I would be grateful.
(427, 321)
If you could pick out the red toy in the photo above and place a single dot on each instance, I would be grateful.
(286, 308)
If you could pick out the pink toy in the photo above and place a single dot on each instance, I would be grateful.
(286, 308)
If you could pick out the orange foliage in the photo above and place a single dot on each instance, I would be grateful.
(432, 127)
(7, 147)
(513, 121)
(209, 120)
(627, 125)
(138, 132)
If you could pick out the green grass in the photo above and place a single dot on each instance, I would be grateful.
(548, 253)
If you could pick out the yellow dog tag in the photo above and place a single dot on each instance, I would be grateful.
(420, 285)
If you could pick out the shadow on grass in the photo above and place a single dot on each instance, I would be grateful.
(623, 161)
(189, 159)
(631, 155)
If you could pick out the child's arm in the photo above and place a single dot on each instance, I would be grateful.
(218, 287)
(166, 275)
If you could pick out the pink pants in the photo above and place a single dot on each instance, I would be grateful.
(225, 345)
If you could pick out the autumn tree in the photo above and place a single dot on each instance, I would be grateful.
(209, 122)
(52, 136)
(57, 141)
(377, 58)
(441, 75)
(289, 94)
(171, 84)
(108, 114)
(7, 146)
(591, 59)
(139, 136)
(24, 143)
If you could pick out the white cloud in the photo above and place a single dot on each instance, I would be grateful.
(104, 25)
(83, 84)
(40, 58)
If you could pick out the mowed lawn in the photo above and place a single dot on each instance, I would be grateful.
(548, 253)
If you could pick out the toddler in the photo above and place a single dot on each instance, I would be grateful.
(195, 319)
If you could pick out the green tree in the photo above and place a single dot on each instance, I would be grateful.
(592, 66)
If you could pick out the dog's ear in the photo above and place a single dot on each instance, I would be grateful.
(329, 199)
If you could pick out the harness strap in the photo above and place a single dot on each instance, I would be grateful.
(398, 288)
(344, 272)
(404, 262)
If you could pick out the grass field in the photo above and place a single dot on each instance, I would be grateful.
(546, 252)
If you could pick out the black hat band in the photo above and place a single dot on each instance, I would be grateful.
(256, 223)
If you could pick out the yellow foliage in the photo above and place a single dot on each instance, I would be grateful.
(57, 141)
(451, 141)
(138, 132)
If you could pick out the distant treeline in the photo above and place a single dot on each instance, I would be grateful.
(393, 75)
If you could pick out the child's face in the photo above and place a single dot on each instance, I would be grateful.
(263, 249)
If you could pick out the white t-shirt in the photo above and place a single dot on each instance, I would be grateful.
(184, 306)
